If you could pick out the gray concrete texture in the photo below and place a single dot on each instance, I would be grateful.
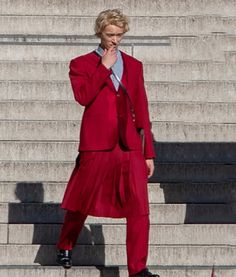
(182, 71)
(192, 91)
(98, 234)
(203, 47)
(47, 52)
(51, 213)
(52, 192)
(133, 7)
(162, 131)
(82, 271)
(180, 48)
(3, 233)
(167, 152)
(113, 255)
(165, 272)
(35, 271)
(139, 26)
(176, 71)
(158, 111)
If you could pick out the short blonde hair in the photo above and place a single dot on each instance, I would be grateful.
(111, 17)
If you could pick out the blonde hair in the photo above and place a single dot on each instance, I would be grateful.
(111, 17)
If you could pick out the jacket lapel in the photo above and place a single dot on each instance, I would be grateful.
(108, 80)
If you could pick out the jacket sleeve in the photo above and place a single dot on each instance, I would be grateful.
(85, 84)
(143, 117)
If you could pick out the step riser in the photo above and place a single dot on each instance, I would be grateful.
(158, 193)
(162, 131)
(186, 91)
(167, 152)
(115, 235)
(188, 71)
(113, 255)
(186, 112)
(184, 50)
(152, 72)
(4, 233)
(139, 26)
(159, 213)
(191, 91)
(134, 7)
(39, 271)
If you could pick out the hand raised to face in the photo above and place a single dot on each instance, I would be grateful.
(109, 57)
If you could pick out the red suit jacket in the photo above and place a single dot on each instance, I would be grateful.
(107, 117)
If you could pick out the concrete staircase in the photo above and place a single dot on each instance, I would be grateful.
(189, 53)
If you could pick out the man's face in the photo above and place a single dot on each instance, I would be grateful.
(111, 36)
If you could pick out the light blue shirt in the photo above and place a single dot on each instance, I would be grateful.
(117, 68)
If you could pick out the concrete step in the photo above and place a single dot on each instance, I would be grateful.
(43, 171)
(162, 111)
(50, 213)
(182, 71)
(128, 41)
(164, 49)
(193, 112)
(52, 192)
(133, 7)
(163, 131)
(202, 47)
(205, 91)
(98, 234)
(179, 48)
(115, 271)
(116, 255)
(167, 152)
(54, 52)
(202, 91)
(139, 26)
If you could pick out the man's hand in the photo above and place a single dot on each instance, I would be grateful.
(109, 57)
(150, 166)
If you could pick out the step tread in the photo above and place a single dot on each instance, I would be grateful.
(161, 213)
(224, 7)
(115, 255)
(115, 271)
(97, 234)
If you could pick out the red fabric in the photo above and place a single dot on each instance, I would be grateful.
(213, 271)
(94, 89)
(73, 224)
(109, 184)
(137, 234)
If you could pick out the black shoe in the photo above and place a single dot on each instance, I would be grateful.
(64, 258)
(145, 273)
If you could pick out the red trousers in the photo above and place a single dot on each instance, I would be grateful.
(137, 234)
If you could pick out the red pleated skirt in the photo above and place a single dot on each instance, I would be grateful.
(108, 184)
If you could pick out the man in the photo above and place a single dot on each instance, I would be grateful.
(114, 162)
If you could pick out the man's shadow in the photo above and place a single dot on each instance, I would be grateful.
(46, 220)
